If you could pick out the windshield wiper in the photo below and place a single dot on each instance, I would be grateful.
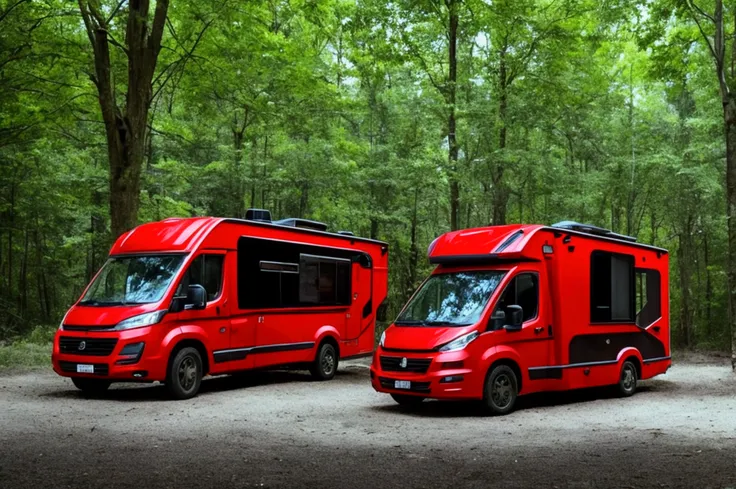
(444, 323)
(429, 323)
(93, 302)
(409, 323)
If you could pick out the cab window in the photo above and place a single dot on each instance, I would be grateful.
(523, 290)
(205, 270)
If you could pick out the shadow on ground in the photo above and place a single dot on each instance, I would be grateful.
(134, 392)
(459, 409)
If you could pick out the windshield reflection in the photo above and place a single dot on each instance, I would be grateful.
(451, 299)
(128, 280)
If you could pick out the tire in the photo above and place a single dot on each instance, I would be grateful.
(501, 390)
(91, 386)
(325, 365)
(627, 379)
(405, 400)
(185, 374)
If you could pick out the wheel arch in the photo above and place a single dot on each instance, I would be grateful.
(327, 334)
(631, 354)
(503, 355)
(195, 343)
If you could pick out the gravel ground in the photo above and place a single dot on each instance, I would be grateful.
(281, 430)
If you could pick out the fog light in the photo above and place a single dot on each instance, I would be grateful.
(451, 365)
(140, 374)
(451, 378)
(130, 354)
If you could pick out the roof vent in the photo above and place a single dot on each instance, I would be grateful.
(595, 230)
(259, 215)
(302, 223)
(346, 233)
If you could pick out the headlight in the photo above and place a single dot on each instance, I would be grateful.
(140, 321)
(383, 339)
(460, 343)
(61, 324)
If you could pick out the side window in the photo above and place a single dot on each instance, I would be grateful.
(324, 280)
(648, 295)
(523, 290)
(611, 287)
(205, 270)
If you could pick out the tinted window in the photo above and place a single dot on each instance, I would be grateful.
(205, 270)
(647, 297)
(324, 280)
(611, 287)
(523, 290)
(275, 274)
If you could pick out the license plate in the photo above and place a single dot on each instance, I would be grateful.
(402, 384)
(85, 369)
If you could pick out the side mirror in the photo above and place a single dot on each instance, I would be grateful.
(196, 297)
(516, 318)
(498, 319)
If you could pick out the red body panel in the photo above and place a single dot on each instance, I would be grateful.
(258, 337)
(561, 348)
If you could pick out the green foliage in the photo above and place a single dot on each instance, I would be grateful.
(337, 110)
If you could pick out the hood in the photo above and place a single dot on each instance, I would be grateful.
(105, 315)
(422, 337)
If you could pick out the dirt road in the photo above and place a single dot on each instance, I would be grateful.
(282, 430)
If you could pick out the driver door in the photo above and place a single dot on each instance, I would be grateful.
(207, 270)
(533, 341)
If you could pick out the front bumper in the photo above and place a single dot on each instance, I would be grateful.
(110, 363)
(448, 376)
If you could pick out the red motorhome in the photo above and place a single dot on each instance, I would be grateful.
(517, 309)
(183, 298)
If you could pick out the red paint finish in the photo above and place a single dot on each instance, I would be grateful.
(561, 347)
(230, 337)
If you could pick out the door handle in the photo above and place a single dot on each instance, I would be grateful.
(538, 329)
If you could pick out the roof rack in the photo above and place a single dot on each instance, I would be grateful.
(590, 229)
(302, 223)
(258, 215)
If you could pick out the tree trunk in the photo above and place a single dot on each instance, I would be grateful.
(413, 249)
(451, 122)
(729, 116)
(125, 126)
(683, 256)
(500, 192)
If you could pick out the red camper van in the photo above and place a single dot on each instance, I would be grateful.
(517, 309)
(183, 298)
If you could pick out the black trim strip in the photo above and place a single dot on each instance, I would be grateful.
(490, 258)
(232, 354)
(509, 241)
(659, 359)
(555, 371)
(399, 350)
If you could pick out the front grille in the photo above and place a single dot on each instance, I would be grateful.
(387, 383)
(415, 365)
(71, 367)
(97, 347)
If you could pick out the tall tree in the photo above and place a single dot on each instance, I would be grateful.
(126, 119)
